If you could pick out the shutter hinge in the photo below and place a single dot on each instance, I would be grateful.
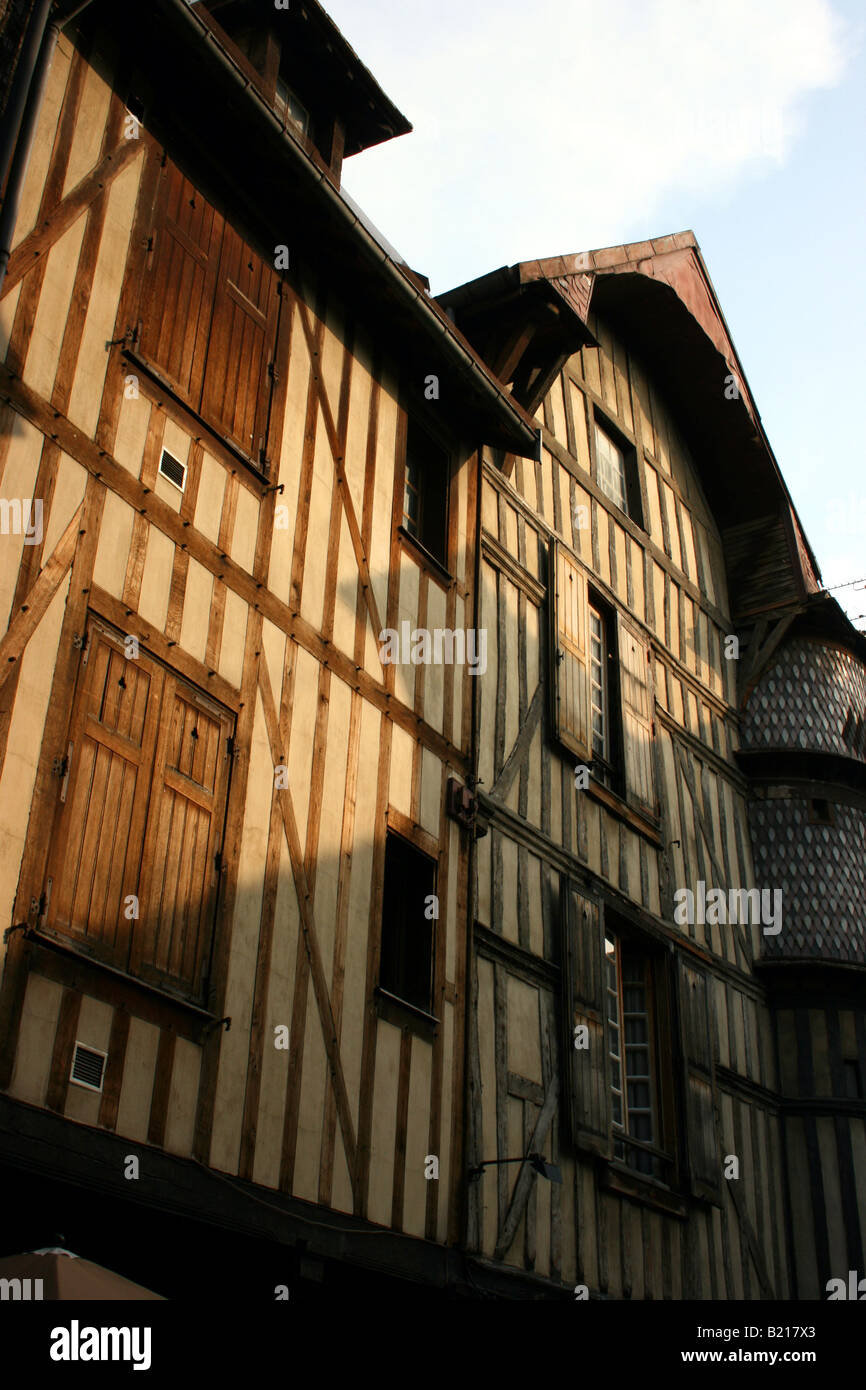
(219, 862)
(78, 641)
(230, 747)
(127, 339)
(272, 372)
(59, 766)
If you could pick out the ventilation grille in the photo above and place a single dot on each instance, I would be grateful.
(88, 1067)
(173, 469)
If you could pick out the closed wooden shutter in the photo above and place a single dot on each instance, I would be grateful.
(180, 876)
(704, 1161)
(244, 328)
(570, 623)
(586, 1070)
(637, 717)
(210, 313)
(97, 846)
(181, 284)
(142, 819)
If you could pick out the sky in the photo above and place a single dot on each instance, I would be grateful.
(570, 125)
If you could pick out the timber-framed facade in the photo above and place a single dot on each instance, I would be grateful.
(315, 924)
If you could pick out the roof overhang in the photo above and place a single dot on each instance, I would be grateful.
(320, 50)
(658, 296)
(201, 105)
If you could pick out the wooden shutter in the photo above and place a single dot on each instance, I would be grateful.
(586, 1070)
(180, 877)
(637, 717)
(237, 382)
(97, 845)
(210, 314)
(570, 625)
(181, 284)
(703, 1159)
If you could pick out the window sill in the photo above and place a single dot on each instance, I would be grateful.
(404, 1015)
(427, 559)
(213, 435)
(76, 968)
(639, 820)
(649, 1192)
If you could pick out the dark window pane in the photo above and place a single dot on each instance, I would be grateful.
(406, 963)
(427, 473)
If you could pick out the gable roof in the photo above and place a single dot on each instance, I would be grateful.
(658, 295)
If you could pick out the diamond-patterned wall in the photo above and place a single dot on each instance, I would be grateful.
(813, 697)
(821, 870)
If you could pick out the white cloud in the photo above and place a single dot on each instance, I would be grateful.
(559, 127)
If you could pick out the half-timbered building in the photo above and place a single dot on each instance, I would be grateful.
(387, 684)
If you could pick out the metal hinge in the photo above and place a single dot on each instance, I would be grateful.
(230, 747)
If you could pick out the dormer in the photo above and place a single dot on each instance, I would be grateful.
(311, 78)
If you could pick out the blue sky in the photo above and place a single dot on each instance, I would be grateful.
(584, 123)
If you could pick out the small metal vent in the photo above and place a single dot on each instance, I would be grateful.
(88, 1067)
(172, 469)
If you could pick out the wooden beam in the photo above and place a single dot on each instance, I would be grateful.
(514, 761)
(740, 939)
(119, 480)
(64, 1039)
(342, 481)
(308, 928)
(526, 1176)
(35, 247)
(749, 1240)
(39, 597)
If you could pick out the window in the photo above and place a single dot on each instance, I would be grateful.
(616, 470)
(598, 687)
(290, 109)
(632, 1055)
(610, 468)
(820, 811)
(427, 473)
(406, 961)
(132, 874)
(601, 689)
(639, 1079)
(210, 311)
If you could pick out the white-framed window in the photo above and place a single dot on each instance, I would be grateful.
(598, 694)
(610, 468)
(630, 1045)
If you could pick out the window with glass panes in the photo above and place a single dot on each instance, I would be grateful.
(425, 494)
(598, 683)
(412, 499)
(610, 468)
(630, 1046)
(290, 109)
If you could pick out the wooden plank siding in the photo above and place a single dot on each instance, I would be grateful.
(256, 595)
